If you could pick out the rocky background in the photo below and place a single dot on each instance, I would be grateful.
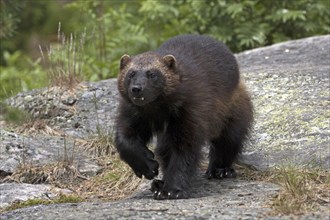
(289, 83)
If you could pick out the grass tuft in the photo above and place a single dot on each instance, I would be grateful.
(99, 146)
(116, 182)
(65, 60)
(37, 126)
(59, 174)
(302, 189)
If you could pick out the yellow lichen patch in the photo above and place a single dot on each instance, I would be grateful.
(288, 114)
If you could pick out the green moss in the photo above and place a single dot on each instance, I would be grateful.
(110, 176)
(33, 202)
(68, 199)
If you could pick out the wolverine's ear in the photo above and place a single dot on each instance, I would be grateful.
(169, 60)
(124, 60)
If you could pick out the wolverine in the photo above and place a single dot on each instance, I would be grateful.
(187, 93)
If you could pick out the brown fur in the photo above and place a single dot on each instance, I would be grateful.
(187, 92)
(239, 100)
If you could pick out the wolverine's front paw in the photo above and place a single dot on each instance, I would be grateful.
(148, 168)
(220, 173)
(142, 162)
(160, 193)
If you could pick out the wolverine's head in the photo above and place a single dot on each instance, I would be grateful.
(146, 77)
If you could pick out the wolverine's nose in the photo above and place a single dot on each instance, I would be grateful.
(136, 89)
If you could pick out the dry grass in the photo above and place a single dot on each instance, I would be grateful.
(99, 146)
(60, 174)
(37, 126)
(302, 190)
(116, 182)
(65, 60)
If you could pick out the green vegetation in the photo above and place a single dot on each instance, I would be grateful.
(94, 34)
(21, 73)
(13, 115)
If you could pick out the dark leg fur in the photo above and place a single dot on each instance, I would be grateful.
(225, 149)
(131, 138)
(135, 153)
(177, 175)
(179, 158)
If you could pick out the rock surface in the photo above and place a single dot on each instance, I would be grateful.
(40, 150)
(289, 84)
(94, 107)
(212, 200)
(24, 191)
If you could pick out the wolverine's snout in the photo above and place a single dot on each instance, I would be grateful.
(136, 90)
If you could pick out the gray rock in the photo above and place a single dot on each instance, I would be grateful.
(69, 100)
(96, 110)
(90, 111)
(308, 53)
(227, 199)
(211, 200)
(289, 83)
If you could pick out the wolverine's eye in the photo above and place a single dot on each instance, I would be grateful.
(131, 74)
(151, 75)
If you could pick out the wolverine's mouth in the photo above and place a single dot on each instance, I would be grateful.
(138, 98)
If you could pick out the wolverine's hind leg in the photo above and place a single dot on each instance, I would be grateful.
(225, 148)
